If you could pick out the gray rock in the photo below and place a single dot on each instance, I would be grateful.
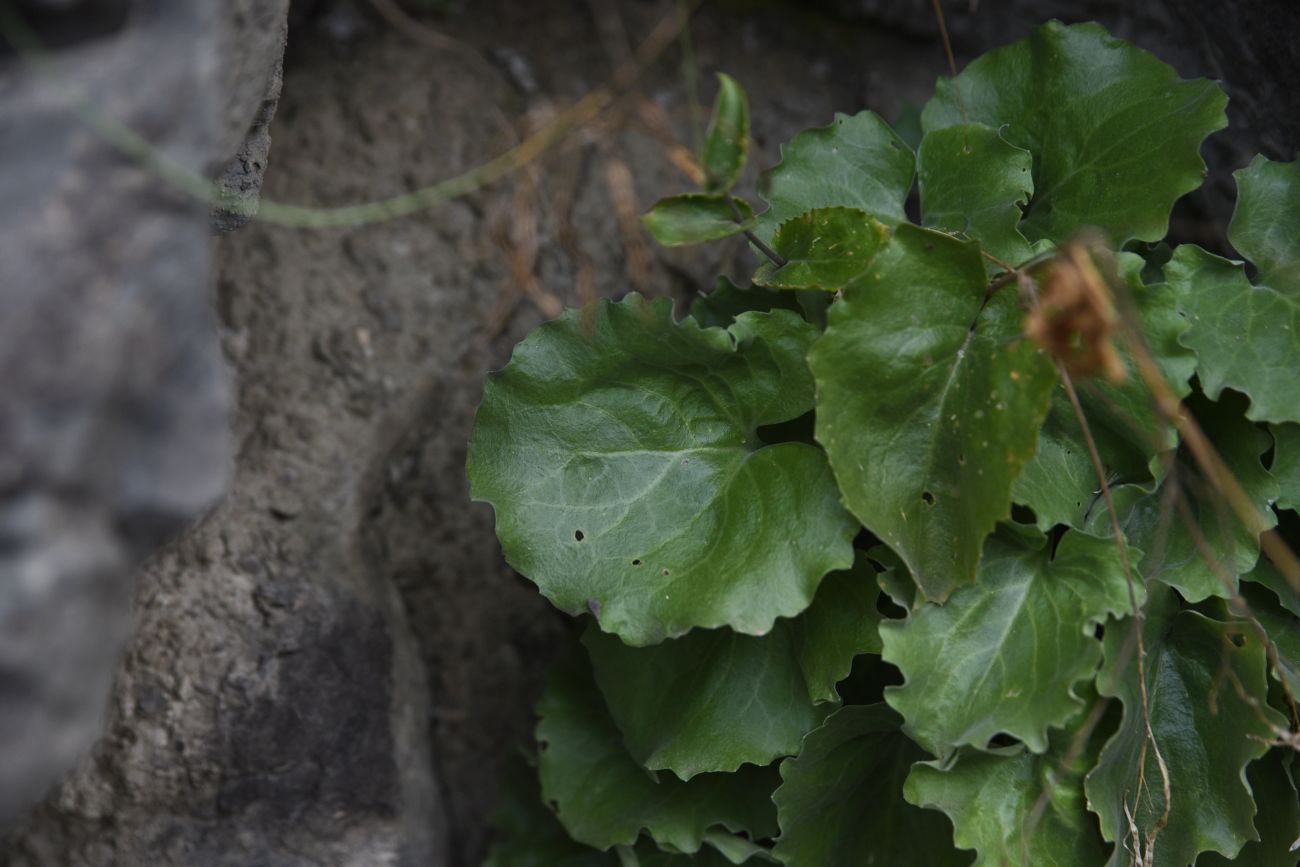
(114, 412)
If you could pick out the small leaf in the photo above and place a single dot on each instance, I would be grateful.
(1282, 628)
(678, 704)
(693, 218)
(529, 835)
(1014, 808)
(1205, 746)
(1242, 334)
(841, 799)
(1266, 573)
(975, 182)
(719, 308)
(1004, 656)
(621, 453)
(824, 249)
(727, 143)
(604, 798)
(1153, 523)
(1115, 133)
(1266, 224)
(928, 403)
(856, 162)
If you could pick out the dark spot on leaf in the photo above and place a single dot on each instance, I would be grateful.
(543, 746)
(665, 571)
(636, 562)
(929, 248)
(578, 536)
(928, 498)
(1238, 640)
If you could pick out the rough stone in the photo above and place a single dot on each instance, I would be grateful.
(113, 422)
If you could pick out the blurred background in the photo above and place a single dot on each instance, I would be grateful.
(248, 615)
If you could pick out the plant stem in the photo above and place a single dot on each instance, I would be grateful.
(777, 259)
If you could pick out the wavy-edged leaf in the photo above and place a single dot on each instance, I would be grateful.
(1286, 464)
(928, 403)
(1115, 133)
(694, 218)
(1015, 808)
(620, 451)
(1060, 483)
(975, 182)
(645, 854)
(1282, 628)
(1266, 223)
(1266, 573)
(719, 308)
(1243, 335)
(604, 798)
(1278, 819)
(1004, 656)
(841, 799)
(824, 249)
(529, 835)
(856, 162)
(1154, 523)
(727, 143)
(713, 700)
(1205, 747)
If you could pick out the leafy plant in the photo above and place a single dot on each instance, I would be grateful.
(944, 534)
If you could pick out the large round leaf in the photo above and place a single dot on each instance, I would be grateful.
(621, 452)
(1115, 133)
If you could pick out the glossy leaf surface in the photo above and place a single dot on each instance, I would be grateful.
(1115, 134)
(694, 218)
(928, 403)
(621, 453)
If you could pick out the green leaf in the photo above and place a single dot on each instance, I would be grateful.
(1114, 132)
(646, 855)
(604, 798)
(1060, 483)
(1153, 523)
(1286, 464)
(1242, 334)
(621, 453)
(824, 249)
(1266, 224)
(928, 403)
(974, 182)
(1004, 656)
(719, 308)
(1278, 819)
(841, 799)
(1282, 628)
(856, 162)
(727, 143)
(529, 835)
(1266, 573)
(713, 700)
(1015, 808)
(694, 218)
(1205, 746)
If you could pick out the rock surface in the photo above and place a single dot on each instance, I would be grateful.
(113, 420)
